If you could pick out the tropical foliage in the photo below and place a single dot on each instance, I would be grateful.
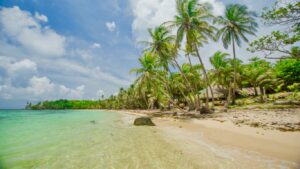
(284, 43)
(165, 82)
(237, 22)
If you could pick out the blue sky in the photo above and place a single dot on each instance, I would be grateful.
(75, 49)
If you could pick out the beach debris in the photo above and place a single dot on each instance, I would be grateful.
(143, 121)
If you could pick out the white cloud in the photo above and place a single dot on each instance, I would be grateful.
(94, 73)
(31, 69)
(218, 7)
(149, 14)
(41, 88)
(111, 26)
(16, 70)
(41, 17)
(12, 66)
(40, 85)
(23, 64)
(20, 81)
(96, 45)
(25, 30)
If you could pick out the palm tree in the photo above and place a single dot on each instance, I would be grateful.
(162, 44)
(222, 73)
(220, 64)
(191, 23)
(237, 22)
(149, 83)
(255, 71)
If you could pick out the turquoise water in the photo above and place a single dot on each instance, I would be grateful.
(82, 139)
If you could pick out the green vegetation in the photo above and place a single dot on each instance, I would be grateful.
(164, 82)
(238, 22)
(283, 43)
(67, 104)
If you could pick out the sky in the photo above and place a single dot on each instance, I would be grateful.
(75, 49)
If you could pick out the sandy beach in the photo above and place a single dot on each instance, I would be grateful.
(247, 138)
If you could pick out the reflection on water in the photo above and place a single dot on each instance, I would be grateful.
(82, 139)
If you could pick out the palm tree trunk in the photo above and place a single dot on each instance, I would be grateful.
(205, 75)
(185, 97)
(261, 93)
(234, 68)
(206, 100)
(188, 56)
(197, 94)
(264, 90)
(185, 78)
(167, 84)
(255, 90)
(229, 95)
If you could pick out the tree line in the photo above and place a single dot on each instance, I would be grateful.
(163, 82)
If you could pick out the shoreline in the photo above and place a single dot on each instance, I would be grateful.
(223, 131)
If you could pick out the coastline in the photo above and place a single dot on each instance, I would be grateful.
(269, 140)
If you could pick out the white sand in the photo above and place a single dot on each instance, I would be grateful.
(222, 143)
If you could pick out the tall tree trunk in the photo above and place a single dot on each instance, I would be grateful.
(198, 101)
(234, 68)
(229, 95)
(167, 84)
(265, 93)
(261, 93)
(205, 75)
(255, 90)
(206, 98)
(188, 56)
(185, 97)
(185, 78)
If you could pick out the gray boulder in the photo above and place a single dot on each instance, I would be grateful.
(143, 121)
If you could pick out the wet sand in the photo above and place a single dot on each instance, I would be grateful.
(244, 144)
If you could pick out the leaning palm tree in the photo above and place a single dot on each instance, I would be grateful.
(237, 22)
(149, 77)
(191, 23)
(162, 44)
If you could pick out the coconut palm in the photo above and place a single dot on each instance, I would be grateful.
(162, 44)
(255, 72)
(220, 64)
(222, 73)
(237, 22)
(149, 82)
(191, 23)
